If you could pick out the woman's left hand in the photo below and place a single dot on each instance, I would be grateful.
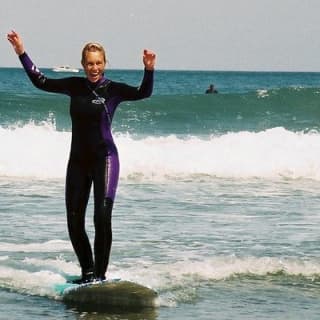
(149, 59)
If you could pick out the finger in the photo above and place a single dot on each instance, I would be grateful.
(151, 54)
(10, 39)
(14, 33)
(10, 36)
(148, 52)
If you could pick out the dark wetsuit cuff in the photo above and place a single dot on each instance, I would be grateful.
(22, 55)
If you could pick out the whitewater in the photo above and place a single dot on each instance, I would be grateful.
(271, 153)
(217, 206)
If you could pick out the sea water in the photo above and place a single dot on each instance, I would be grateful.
(217, 207)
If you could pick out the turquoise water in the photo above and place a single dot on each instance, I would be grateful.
(217, 208)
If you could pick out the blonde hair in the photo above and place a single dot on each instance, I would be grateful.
(91, 47)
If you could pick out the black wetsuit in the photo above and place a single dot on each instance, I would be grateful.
(93, 157)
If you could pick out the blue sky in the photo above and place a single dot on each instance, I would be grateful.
(270, 35)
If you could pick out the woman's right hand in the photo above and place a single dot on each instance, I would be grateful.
(16, 42)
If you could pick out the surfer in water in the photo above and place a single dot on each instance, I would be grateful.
(211, 89)
(93, 156)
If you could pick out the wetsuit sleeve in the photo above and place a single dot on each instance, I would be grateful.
(127, 92)
(40, 81)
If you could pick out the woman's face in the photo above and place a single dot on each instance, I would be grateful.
(94, 65)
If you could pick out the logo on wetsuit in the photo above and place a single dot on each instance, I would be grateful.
(98, 100)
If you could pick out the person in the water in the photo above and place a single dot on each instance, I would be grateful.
(93, 156)
(211, 89)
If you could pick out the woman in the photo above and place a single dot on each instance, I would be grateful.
(93, 156)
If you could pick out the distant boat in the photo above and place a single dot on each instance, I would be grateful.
(65, 69)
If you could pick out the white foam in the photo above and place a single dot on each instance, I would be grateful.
(33, 151)
(272, 153)
(40, 151)
(261, 93)
(3, 258)
(35, 283)
(49, 246)
(58, 265)
(221, 268)
(174, 281)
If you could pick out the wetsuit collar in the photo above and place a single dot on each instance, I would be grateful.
(94, 85)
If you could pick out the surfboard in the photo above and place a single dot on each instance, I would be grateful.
(113, 292)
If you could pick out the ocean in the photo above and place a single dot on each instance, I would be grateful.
(217, 207)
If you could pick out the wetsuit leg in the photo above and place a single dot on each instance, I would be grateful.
(105, 184)
(78, 184)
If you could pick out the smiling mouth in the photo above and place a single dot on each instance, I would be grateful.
(94, 75)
